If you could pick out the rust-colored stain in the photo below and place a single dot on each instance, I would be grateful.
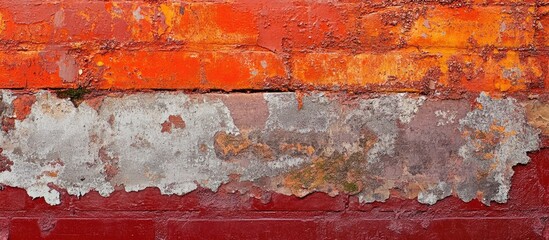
(174, 121)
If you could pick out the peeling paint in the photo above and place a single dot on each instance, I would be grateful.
(497, 138)
(392, 144)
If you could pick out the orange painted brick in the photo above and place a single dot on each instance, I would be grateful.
(493, 71)
(322, 68)
(328, 26)
(435, 26)
(477, 26)
(14, 69)
(241, 70)
(69, 21)
(505, 2)
(143, 69)
(413, 71)
(20, 22)
(393, 70)
(205, 23)
(32, 69)
(140, 21)
(543, 28)
(94, 20)
(277, 22)
(317, 26)
(384, 30)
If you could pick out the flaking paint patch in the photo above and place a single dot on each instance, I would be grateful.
(368, 147)
(497, 138)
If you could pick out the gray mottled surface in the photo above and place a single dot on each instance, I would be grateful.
(419, 148)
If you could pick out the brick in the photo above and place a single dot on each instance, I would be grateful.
(312, 202)
(82, 228)
(445, 228)
(12, 199)
(542, 25)
(69, 21)
(48, 68)
(528, 191)
(444, 27)
(309, 26)
(411, 71)
(495, 71)
(204, 23)
(241, 70)
(40, 204)
(4, 228)
(28, 22)
(242, 229)
(95, 20)
(399, 70)
(187, 70)
(143, 69)
(148, 199)
(541, 161)
(471, 27)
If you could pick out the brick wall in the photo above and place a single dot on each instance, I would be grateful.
(286, 119)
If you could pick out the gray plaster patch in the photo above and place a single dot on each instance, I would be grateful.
(367, 147)
(497, 138)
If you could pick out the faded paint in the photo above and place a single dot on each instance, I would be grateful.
(177, 142)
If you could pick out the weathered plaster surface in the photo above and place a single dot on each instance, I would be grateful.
(398, 144)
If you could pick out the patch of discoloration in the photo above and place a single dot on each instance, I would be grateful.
(393, 144)
(538, 116)
(174, 121)
(68, 68)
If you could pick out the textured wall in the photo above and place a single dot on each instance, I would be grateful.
(284, 119)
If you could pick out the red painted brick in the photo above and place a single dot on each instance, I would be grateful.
(40, 204)
(243, 229)
(4, 228)
(12, 199)
(222, 201)
(451, 228)
(81, 228)
(149, 199)
(540, 161)
(312, 202)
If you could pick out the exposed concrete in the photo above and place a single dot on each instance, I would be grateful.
(399, 144)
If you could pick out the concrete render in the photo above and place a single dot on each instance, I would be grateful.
(291, 144)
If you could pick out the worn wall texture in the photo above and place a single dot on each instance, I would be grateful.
(285, 119)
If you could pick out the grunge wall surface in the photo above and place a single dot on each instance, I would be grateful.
(286, 119)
